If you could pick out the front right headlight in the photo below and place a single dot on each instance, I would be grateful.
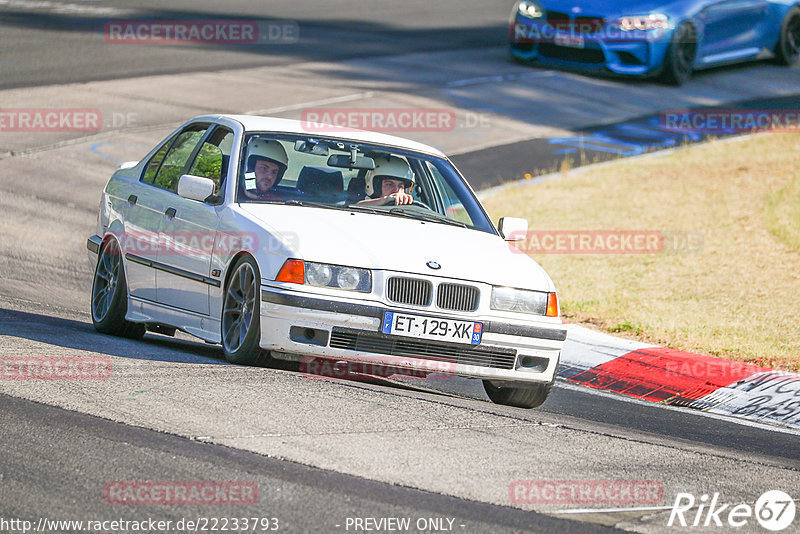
(529, 9)
(653, 21)
(325, 275)
(524, 301)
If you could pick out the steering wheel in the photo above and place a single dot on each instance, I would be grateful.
(421, 204)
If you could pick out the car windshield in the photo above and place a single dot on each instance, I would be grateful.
(340, 174)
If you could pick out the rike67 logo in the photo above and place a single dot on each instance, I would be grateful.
(774, 510)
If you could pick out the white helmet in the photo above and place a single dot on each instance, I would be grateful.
(387, 166)
(267, 149)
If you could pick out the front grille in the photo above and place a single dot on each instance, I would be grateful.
(375, 343)
(410, 291)
(457, 297)
(588, 24)
(558, 20)
(563, 22)
(577, 55)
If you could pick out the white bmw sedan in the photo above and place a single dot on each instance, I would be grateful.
(255, 234)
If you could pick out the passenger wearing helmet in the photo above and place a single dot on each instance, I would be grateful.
(268, 160)
(389, 183)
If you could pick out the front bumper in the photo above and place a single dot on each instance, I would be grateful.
(349, 329)
(608, 50)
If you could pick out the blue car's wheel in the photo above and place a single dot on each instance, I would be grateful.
(679, 61)
(787, 50)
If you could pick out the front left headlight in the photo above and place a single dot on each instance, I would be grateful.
(529, 9)
(524, 301)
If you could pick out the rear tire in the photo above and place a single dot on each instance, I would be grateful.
(241, 315)
(110, 295)
(682, 52)
(787, 51)
(529, 396)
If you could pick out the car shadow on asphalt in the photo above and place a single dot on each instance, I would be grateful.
(79, 335)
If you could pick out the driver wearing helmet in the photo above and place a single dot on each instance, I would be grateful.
(268, 160)
(389, 182)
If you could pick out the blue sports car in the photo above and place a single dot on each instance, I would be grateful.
(648, 38)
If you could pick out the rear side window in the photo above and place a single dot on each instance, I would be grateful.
(176, 158)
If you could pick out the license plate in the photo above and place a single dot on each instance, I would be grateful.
(402, 324)
(572, 41)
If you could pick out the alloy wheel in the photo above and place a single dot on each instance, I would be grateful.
(105, 280)
(239, 307)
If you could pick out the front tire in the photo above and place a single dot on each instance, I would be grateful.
(110, 295)
(787, 51)
(528, 396)
(241, 315)
(682, 52)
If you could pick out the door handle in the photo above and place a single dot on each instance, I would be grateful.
(170, 213)
(132, 200)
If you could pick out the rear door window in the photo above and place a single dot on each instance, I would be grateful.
(177, 157)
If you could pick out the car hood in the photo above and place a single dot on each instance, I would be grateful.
(372, 241)
(609, 8)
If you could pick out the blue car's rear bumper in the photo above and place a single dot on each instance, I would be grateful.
(608, 50)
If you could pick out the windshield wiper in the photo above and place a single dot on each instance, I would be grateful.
(396, 211)
(329, 206)
(304, 203)
(364, 209)
(425, 217)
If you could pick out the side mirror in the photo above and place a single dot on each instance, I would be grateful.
(195, 187)
(513, 228)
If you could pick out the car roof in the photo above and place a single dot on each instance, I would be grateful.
(255, 123)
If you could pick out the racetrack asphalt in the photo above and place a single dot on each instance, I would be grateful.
(173, 409)
(56, 464)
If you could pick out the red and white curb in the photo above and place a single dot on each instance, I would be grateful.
(660, 375)
(672, 377)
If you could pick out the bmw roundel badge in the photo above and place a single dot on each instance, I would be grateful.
(433, 265)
